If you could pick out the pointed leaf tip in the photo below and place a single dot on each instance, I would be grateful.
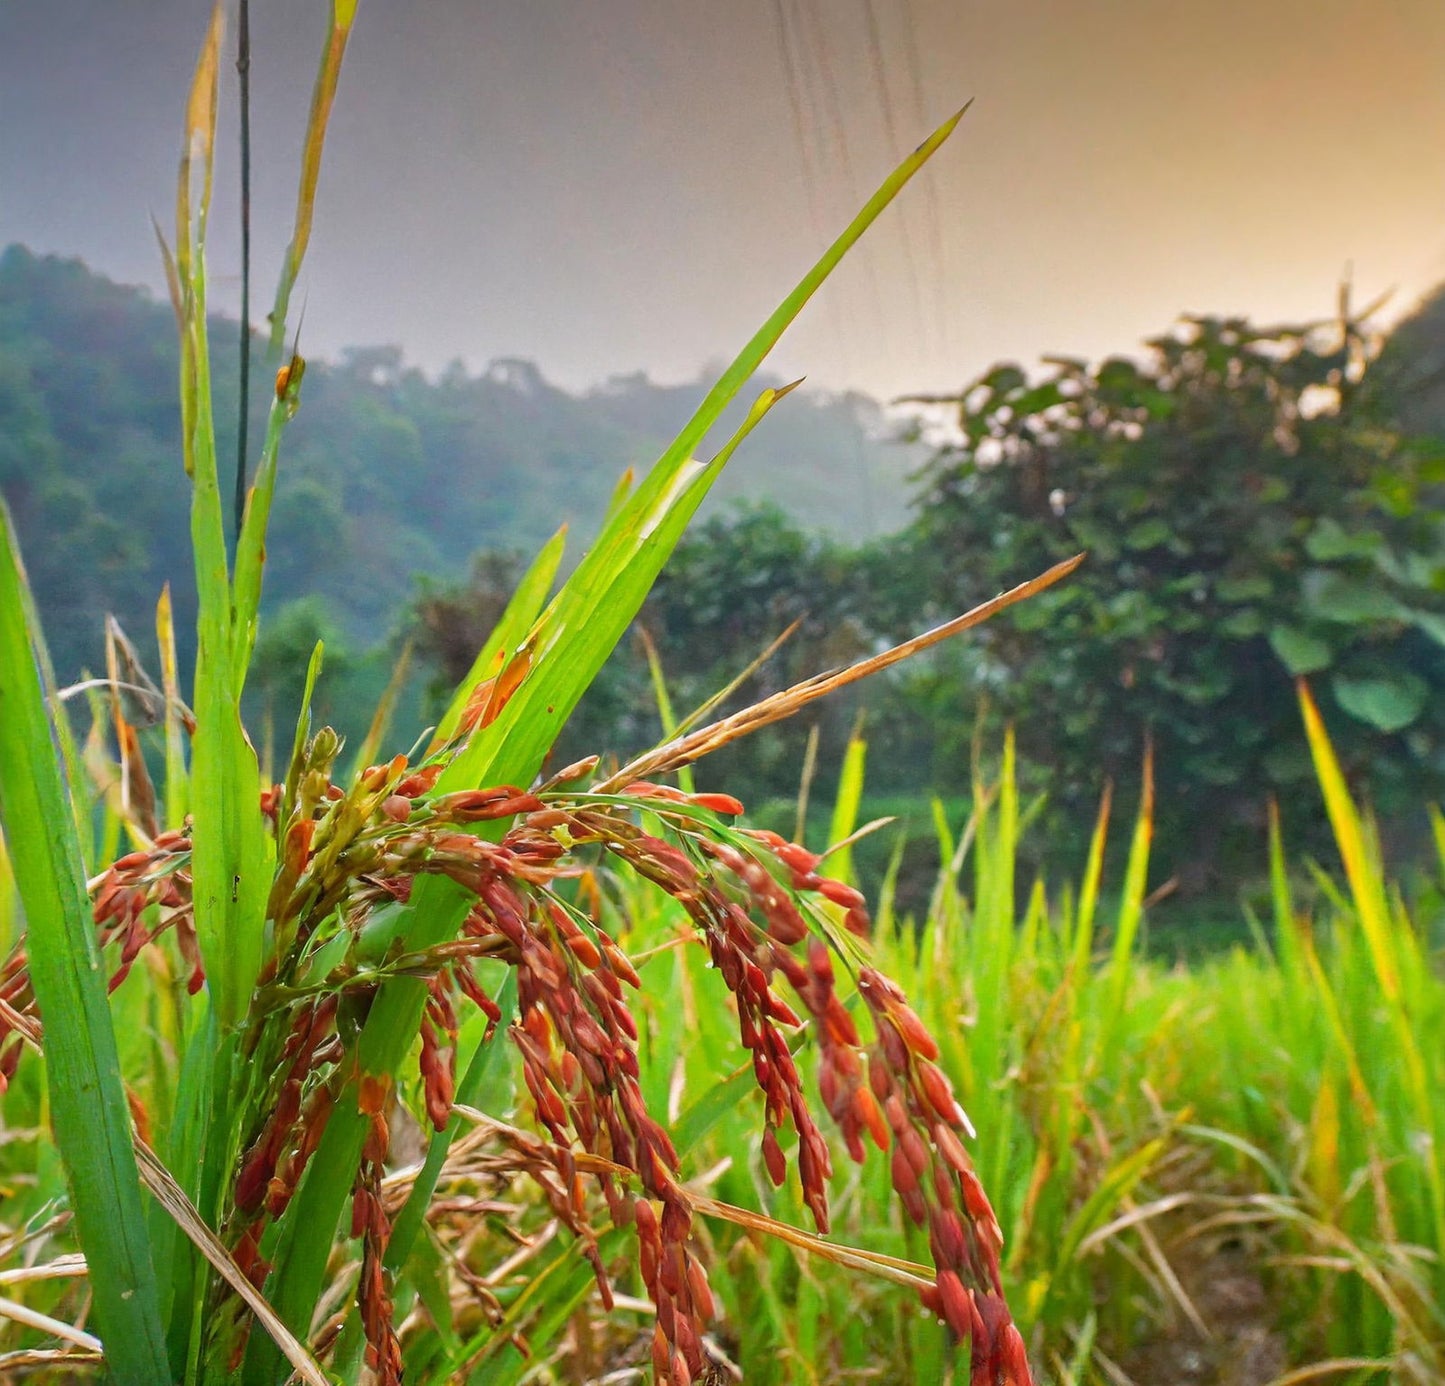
(201, 105)
(944, 130)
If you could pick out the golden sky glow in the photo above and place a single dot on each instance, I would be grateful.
(618, 186)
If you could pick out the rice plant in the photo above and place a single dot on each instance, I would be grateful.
(229, 1013)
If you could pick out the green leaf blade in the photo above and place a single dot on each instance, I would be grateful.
(88, 1103)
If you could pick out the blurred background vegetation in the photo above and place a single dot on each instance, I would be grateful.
(1257, 503)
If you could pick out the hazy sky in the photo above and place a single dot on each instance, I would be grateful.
(633, 184)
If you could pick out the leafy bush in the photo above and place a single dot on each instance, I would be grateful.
(1249, 517)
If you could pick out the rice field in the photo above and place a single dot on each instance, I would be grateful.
(1224, 1172)
(336, 1064)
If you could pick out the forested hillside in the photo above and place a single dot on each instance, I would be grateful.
(386, 474)
(1257, 504)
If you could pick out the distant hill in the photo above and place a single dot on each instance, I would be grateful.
(386, 474)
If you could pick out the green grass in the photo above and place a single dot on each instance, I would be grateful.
(1142, 1126)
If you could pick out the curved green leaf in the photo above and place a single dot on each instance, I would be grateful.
(1298, 651)
(1335, 596)
(1388, 705)
(87, 1099)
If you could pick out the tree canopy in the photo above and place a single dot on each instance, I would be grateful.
(1252, 512)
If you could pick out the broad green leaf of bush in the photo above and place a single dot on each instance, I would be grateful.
(1389, 705)
(1148, 534)
(1329, 540)
(1299, 652)
(1243, 589)
(1331, 595)
(1431, 623)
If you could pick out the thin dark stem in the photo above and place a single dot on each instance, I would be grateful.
(243, 70)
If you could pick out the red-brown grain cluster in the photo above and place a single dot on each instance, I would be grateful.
(893, 1092)
(135, 883)
(577, 1039)
(935, 1180)
(295, 1113)
(370, 1223)
(17, 1004)
(342, 854)
(136, 900)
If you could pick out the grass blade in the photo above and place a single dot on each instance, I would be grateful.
(519, 617)
(1131, 906)
(251, 546)
(583, 624)
(1386, 942)
(177, 782)
(343, 13)
(1366, 886)
(88, 1104)
(1083, 939)
(230, 858)
(845, 810)
(370, 748)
